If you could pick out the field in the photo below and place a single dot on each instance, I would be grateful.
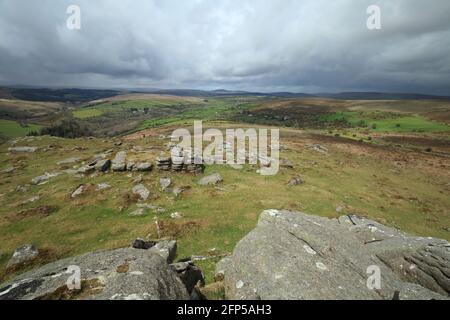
(383, 162)
(13, 129)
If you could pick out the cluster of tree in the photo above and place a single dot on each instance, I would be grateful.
(66, 128)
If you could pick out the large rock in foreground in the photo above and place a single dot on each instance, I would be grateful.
(123, 274)
(291, 255)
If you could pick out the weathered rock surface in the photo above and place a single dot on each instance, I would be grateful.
(123, 274)
(165, 183)
(23, 255)
(141, 191)
(103, 165)
(45, 177)
(22, 149)
(291, 255)
(68, 161)
(119, 162)
(144, 167)
(210, 180)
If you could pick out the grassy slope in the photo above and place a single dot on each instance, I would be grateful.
(412, 198)
(13, 129)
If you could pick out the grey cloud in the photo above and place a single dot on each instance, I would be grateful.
(297, 45)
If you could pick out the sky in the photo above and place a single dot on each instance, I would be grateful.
(255, 45)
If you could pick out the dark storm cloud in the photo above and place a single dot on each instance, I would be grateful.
(267, 45)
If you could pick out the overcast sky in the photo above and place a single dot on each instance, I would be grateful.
(263, 45)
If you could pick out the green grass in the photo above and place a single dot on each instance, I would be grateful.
(87, 113)
(382, 121)
(13, 129)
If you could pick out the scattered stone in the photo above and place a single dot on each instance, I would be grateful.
(295, 181)
(143, 275)
(22, 255)
(86, 169)
(179, 190)
(176, 215)
(21, 189)
(144, 167)
(44, 178)
(141, 191)
(80, 190)
(142, 244)
(328, 259)
(212, 179)
(138, 179)
(339, 209)
(68, 161)
(30, 200)
(285, 163)
(317, 147)
(163, 163)
(8, 170)
(118, 163)
(131, 166)
(102, 186)
(137, 213)
(165, 183)
(154, 208)
(103, 165)
(22, 149)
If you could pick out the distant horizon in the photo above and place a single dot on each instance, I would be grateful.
(156, 90)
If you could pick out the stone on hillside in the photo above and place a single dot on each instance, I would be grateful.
(102, 186)
(165, 183)
(86, 169)
(44, 178)
(80, 190)
(317, 147)
(131, 166)
(176, 215)
(137, 213)
(22, 149)
(122, 274)
(212, 179)
(68, 161)
(142, 244)
(177, 191)
(295, 181)
(152, 207)
(144, 167)
(119, 161)
(237, 166)
(285, 163)
(141, 191)
(166, 249)
(30, 200)
(138, 179)
(103, 165)
(22, 255)
(291, 255)
(8, 170)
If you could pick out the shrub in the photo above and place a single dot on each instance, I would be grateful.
(67, 128)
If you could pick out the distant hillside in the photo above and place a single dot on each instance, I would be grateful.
(57, 95)
(380, 96)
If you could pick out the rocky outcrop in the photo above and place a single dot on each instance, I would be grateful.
(291, 255)
(211, 180)
(119, 162)
(123, 274)
(22, 149)
(23, 255)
